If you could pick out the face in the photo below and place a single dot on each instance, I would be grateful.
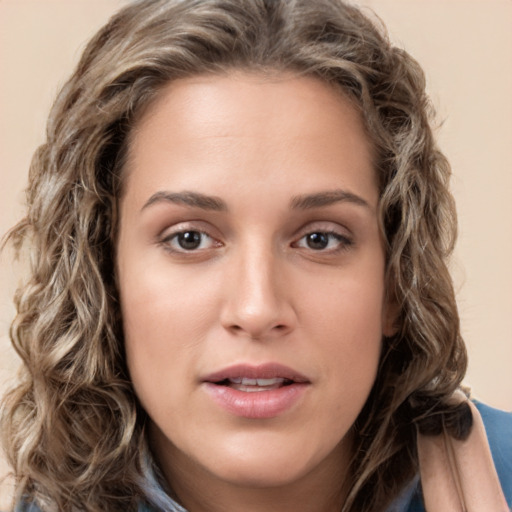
(251, 275)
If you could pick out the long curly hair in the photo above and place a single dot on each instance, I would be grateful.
(72, 429)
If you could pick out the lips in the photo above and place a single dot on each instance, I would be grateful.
(264, 371)
(256, 392)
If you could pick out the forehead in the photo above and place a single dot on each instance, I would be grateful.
(241, 99)
(250, 123)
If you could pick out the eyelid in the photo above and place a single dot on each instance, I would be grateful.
(343, 242)
(173, 236)
(180, 226)
(324, 226)
(334, 229)
(168, 235)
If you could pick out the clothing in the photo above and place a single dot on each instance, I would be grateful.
(498, 426)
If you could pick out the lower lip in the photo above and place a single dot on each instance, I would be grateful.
(256, 404)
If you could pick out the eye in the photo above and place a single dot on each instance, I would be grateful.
(324, 241)
(188, 240)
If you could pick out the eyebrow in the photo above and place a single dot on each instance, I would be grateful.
(301, 202)
(326, 198)
(192, 199)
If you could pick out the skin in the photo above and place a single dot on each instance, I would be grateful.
(255, 290)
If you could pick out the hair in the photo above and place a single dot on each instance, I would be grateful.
(72, 428)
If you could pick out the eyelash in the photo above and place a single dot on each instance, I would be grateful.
(172, 244)
(169, 240)
(343, 242)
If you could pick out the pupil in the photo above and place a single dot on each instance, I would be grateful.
(317, 240)
(189, 240)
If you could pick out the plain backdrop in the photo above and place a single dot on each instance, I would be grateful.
(465, 47)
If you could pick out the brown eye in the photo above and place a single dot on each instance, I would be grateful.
(317, 241)
(324, 241)
(189, 240)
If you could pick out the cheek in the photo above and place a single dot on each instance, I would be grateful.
(347, 321)
(160, 303)
(158, 331)
(352, 348)
(168, 314)
(350, 307)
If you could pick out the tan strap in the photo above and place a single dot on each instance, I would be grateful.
(459, 476)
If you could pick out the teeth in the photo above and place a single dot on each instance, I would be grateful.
(245, 381)
(269, 382)
(252, 385)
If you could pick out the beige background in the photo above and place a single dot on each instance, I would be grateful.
(465, 47)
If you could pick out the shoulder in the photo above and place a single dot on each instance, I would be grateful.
(498, 427)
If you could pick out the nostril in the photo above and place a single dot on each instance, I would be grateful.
(258, 333)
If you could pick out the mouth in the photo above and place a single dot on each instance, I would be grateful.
(249, 385)
(251, 378)
(256, 392)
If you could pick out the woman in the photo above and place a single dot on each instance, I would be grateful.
(239, 299)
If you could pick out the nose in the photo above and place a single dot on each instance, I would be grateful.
(257, 302)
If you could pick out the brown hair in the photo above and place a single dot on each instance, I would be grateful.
(72, 429)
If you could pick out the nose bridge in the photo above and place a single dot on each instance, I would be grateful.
(256, 304)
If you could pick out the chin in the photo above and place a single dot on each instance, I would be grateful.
(271, 462)
(268, 473)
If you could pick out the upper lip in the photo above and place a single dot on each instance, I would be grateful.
(262, 371)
